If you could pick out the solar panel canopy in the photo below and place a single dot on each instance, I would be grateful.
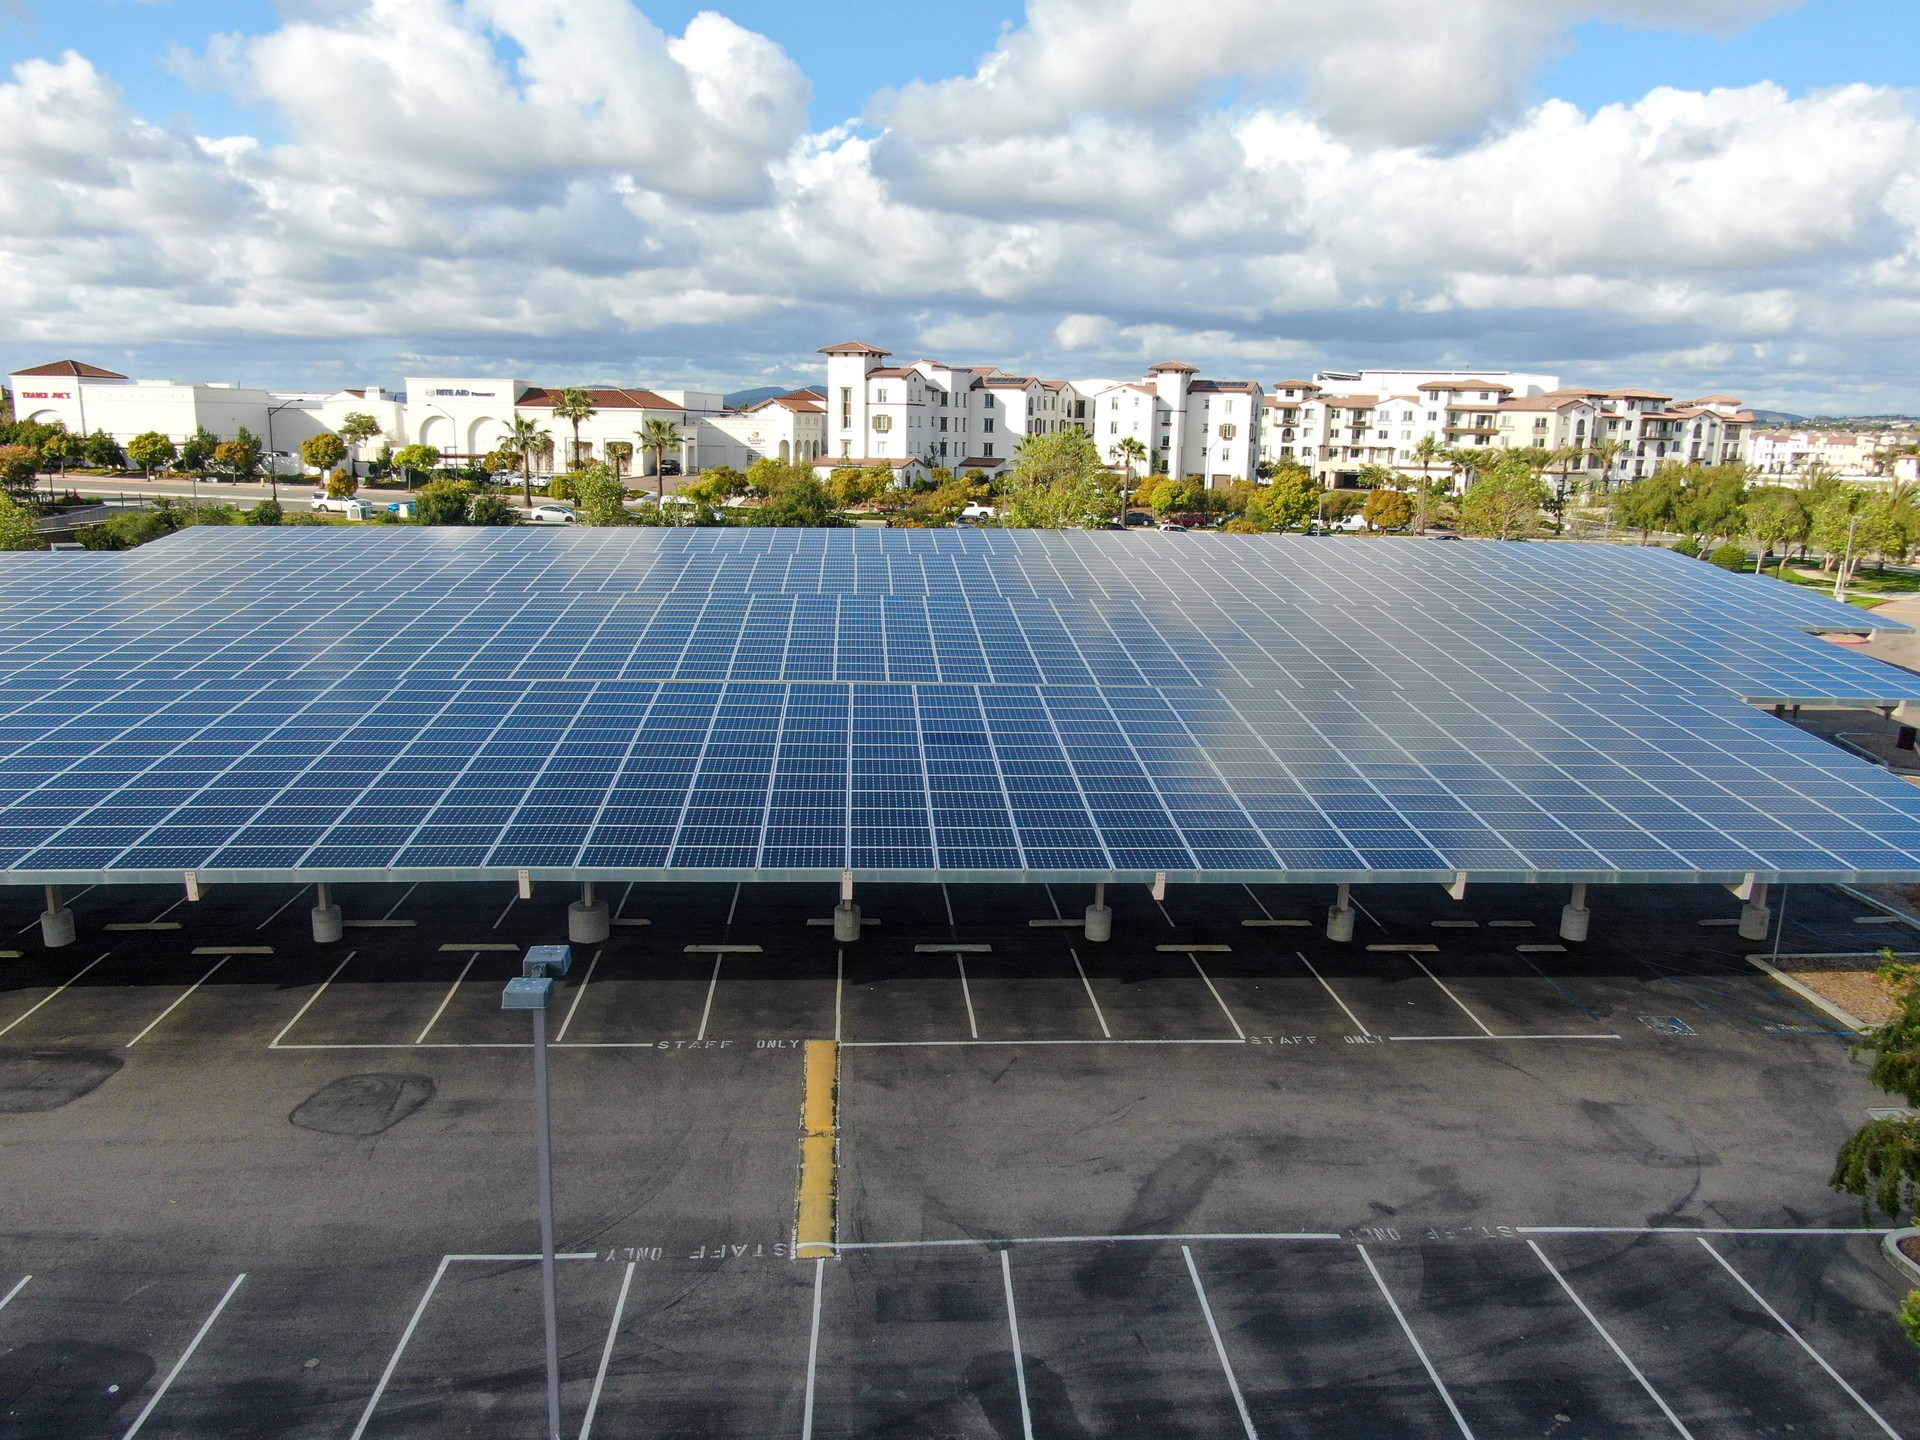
(420, 703)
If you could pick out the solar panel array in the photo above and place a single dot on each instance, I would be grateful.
(265, 704)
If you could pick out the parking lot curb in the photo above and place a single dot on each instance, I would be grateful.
(1812, 997)
(1890, 1247)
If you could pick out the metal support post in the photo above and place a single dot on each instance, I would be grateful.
(56, 922)
(1099, 916)
(533, 992)
(846, 915)
(588, 921)
(1340, 917)
(327, 924)
(1574, 916)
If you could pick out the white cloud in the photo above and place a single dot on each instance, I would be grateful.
(563, 189)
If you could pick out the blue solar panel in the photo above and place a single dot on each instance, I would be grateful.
(263, 703)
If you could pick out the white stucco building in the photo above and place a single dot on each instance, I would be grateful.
(1868, 455)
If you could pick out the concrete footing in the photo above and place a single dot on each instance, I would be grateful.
(1340, 925)
(327, 924)
(1573, 922)
(56, 927)
(1756, 922)
(846, 922)
(1099, 922)
(588, 922)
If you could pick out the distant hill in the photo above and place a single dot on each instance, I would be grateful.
(1777, 417)
(740, 399)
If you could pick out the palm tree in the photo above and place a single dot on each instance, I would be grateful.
(1427, 452)
(1131, 453)
(574, 405)
(525, 440)
(659, 436)
(1606, 452)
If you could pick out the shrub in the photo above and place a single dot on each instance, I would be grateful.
(1687, 546)
(491, 510)
(267, 512)
(1731, 557)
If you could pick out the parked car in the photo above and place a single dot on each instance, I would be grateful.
(1136, 517)
(1168, 527)
(348, 506)
(977, 511)
(552, 514)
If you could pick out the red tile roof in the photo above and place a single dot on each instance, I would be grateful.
(1466, 385)
(1246, 387)
(853, 347)
(73, 369)
(1173, 365)
(538, 397)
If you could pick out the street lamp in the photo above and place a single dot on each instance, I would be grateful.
(273, 469)
(532, 991)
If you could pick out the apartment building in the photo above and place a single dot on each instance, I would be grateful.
(1789, 455)
(786, 427)
(1184, 424)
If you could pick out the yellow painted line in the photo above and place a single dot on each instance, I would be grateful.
(722, 950)
(1541, 949)
(1456, 924)
(233, 949)
(1276, 924)
(381, 924)
(1511, 924)
(819, 1140)
(147, 925)
(9, 954)
(1407, 949)
(475, 949)
(1195, 949)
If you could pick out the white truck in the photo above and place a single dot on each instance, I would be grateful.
(350, 507)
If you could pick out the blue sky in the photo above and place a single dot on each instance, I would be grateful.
(1255, 222)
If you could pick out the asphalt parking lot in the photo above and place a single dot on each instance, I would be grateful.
(1215, 1177)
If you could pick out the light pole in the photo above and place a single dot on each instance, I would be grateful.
(1840, 580)
(273, 469)
(533, 992)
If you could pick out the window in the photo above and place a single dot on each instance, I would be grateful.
(883, 423)
(846, 408)
(943, 448)
(846, 449)
(1227, 432)
(989, 427)
(1166, 442)
(943, 422)
(880, 395)
(1432, 415)
(987, 450)
(1113, 427)
(987, 402)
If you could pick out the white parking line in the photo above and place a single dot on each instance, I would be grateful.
(1019, 1360)
(401, 901)
(713, 984)
(966, 992)
(932, 1044)
(606, 1353)
(1414, 1340)
(1799, 1339)
(21, 1284)
(447, 1001)
(1485, 1028)
(839, 989)
(1482, 1038)
(508, 911)
(987, 1242)
(578, 996)
(176, 1004)
(1091, 999)
(1219, 1346)
(51, 994)
(1612, 1344)
(1216, 996)
(168, 911)
(181, 1363)
(625, 895)
(813, 1350)
(393, 1361)
(1333, 992)
(733, 905)
(274, 1044)
(283, 907)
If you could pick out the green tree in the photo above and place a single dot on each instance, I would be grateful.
(323, 452)
(16, 527)
(1426, 454)
(1059, 483)
(1505, 501)
(620, 456)
(660, 436)
(441, 502)
(103, 452)
(356, 429)
(412, 460)
(1388, 509)
(239, 458)
(1288, 502)
(491, 510)
(1131, 453)
(1880, 1164)
(852, 485)
(1777, 519)
(574, 405)
(1375, 476)
(1653, 503)
(1711, 497)
(267, 512)
(1731, 556)
(151, 451)
(800, 500)
(602, 498)
(19, 464)
(60, 449)
(342, 486)
(1606, 452)
(717, 485)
